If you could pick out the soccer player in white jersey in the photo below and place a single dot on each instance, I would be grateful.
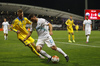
(87, 24)
(5, 26)
(41, 26)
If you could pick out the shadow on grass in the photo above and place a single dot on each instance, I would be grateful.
(51, 64)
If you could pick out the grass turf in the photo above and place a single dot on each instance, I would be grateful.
(14, 53)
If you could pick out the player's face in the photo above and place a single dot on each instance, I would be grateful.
(33, 19)
(4, 20)
(70, 17)
(87, 17)
(20, 15)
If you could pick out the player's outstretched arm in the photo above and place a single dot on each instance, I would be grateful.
(83, 27)
(2, 26)
(50, 27)
(91, 26)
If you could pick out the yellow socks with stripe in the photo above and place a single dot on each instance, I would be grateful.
(33, 49)
(73, 37)
(68, 36)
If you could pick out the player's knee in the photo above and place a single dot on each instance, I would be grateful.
(54, 47)
(33, 44)
(38, 49)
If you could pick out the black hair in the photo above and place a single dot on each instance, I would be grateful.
(30, 16)
(19, 11)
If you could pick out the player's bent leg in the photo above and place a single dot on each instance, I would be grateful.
(30, 45)
(33, 50)
(4, 36)
(46, 55)
(73, 37)
(39, 49)
(54, 47)
(69, 38)
(87, 38)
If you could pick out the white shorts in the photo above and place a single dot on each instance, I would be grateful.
(49, 41)
(5, 31)
(87, 31)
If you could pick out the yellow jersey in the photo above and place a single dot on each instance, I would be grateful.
(77, 26)
(70, 23)
(20, 25)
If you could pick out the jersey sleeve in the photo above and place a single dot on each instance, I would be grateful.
(73, 23)
(8, 24)
(28, 21)
(84, 22)
(67, 22)
(12, 27)
(44, 22)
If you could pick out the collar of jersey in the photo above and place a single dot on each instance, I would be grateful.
(20, 19)
(71, 19)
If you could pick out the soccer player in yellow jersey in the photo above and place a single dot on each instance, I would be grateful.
(77, 27)
(18, 26)
(70, 24)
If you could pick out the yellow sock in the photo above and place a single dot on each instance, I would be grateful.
(73, 37)
(33, 49)
(69, 36)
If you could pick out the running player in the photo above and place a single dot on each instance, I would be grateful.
(6, 27)
(77, 27)
(41, 26)
(87, 24)
(18, 26)
(70, 24)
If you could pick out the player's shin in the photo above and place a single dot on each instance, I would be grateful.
(33, 50)
(73, 37)
(5, 37)
(45, 54)
(61, 51)
(87, 38)
(69, 36)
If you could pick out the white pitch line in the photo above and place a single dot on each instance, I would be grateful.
(77, 44)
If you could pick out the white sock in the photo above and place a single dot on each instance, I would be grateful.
(45, 54)
(61, 51)
(5, 37)
(87, 38)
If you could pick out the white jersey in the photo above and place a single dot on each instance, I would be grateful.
(87, 24)
(5, 25)
(41, 28)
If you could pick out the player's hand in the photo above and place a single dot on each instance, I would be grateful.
(18, 31)
(24, 40)
(68, 25)
(51, 33)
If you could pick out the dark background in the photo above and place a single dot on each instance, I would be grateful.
(72, 6)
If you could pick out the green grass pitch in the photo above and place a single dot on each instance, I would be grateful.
(14, 53)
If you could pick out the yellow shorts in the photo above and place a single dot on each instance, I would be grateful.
(70, 30)
(21, 37)
(76, 29)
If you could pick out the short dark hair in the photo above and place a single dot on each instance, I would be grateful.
(4, 18)
(19, 11)
(87, 16)
(30, 16)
